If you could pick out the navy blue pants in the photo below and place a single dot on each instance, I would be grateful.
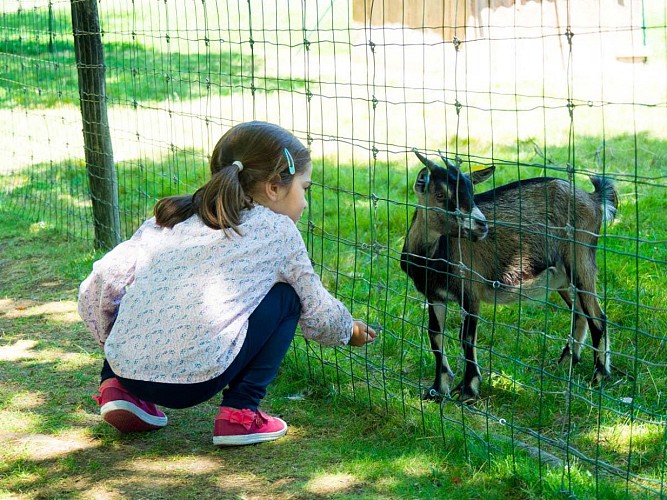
(271, 329)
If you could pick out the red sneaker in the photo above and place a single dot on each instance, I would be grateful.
(238, 427)
(126, 412)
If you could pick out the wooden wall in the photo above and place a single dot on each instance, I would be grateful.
(468, 19)
(443, 17)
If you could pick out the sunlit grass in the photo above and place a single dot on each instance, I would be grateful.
(40, 70)
(373, 452)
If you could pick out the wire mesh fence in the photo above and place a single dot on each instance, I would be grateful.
(538, 89)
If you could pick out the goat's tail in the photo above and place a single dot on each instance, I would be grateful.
(606, 196)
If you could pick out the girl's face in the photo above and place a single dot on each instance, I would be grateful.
(289, 200)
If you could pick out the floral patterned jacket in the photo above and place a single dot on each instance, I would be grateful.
(172, 305)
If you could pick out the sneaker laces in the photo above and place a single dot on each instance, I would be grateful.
(244, 417)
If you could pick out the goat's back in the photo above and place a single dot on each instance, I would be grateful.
(548, 205)
(532, 225)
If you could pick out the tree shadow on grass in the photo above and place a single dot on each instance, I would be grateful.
(39, 68)
(57, 194)
(56, 443)
(340, 190)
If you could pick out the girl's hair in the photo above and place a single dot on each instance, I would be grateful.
(264, 150)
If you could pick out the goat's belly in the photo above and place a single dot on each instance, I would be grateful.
(537, 287)
(444, 295)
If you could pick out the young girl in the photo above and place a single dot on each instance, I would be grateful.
(206, 296)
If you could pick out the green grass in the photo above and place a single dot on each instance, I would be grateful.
(519, 345)
(39, 67)
(373, 395)
(342, 444)
(358, 425)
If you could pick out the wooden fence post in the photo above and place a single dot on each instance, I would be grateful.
(96, 136)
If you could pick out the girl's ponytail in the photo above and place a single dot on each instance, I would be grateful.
(221, 200)
(218, 203)
(174, 209)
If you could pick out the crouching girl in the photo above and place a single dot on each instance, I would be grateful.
(206, 296)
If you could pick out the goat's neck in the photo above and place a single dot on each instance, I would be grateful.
(425, 241)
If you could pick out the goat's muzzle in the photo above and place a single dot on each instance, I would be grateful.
(475, 226)
(479, 233)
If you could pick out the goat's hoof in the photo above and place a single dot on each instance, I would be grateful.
(466, 395)
(433, 394)
(600, 375)
(567, 356)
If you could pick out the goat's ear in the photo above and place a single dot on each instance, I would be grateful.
(421, 183)
(481, 175)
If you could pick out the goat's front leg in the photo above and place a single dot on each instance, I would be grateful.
(443, 373)
(468, 389)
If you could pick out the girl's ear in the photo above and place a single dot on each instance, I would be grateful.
(272, 190)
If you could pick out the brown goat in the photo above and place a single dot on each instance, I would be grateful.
(524, 239)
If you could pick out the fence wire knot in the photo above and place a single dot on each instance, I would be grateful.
(573, 289)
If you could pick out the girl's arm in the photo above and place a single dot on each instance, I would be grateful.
(101, 292)
(323, 317)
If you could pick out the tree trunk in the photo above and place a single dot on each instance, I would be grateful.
(96, 137)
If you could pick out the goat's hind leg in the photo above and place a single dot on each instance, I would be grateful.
(443, 373)
(572, 350)
(590, 308)
(597, 323)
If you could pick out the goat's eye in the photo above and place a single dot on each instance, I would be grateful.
(440, 196)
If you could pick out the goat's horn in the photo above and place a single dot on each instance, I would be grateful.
(424, 160)
(447, 161)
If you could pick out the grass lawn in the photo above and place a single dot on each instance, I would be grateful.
(56, 445)
(347, 438)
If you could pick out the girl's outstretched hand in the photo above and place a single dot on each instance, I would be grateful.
(362, 334)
